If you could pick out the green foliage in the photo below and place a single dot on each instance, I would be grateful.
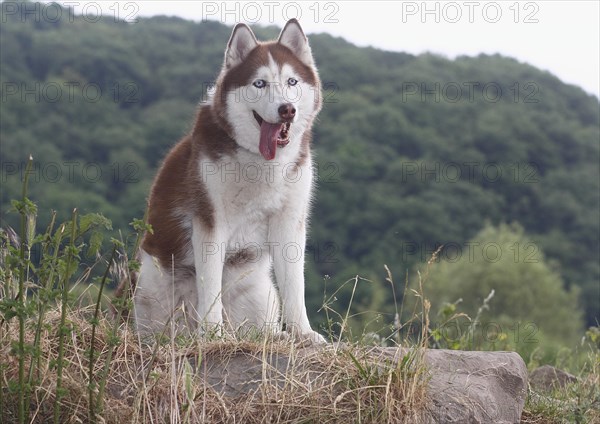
(515, 299)
(401, 170)
(47, 280)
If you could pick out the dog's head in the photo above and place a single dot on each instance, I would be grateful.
(268, 94)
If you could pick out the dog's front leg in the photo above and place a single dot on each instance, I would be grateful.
(287, 238)
(208, 260)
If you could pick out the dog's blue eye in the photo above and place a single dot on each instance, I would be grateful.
(292, 81)
(260, 83)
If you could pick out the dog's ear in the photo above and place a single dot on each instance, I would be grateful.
(293, 38)
(241, 43)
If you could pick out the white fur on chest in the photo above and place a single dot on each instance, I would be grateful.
(246, 191)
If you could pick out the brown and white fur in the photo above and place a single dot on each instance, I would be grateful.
(229, 207)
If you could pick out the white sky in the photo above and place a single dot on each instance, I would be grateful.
(562, 37)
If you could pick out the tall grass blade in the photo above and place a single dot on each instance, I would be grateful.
(24, 211)
(43, 300)
(71, 253)
(92, 409)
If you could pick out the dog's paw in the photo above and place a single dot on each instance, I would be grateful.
(301, 338)
(313, 337)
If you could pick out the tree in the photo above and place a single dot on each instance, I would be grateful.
(528, 308)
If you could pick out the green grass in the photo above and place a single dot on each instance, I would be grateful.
(578, 402)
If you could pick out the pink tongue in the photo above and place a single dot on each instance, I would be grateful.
(268, 139)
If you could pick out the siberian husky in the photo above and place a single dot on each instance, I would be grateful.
(230, 204)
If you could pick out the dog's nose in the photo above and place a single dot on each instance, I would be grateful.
(287, 111)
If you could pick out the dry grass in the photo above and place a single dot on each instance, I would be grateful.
(182, 380)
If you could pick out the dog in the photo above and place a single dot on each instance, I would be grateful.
(230, 204)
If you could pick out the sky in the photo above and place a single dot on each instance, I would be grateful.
(562, 37)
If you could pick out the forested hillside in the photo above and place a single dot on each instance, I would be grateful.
(413, 151)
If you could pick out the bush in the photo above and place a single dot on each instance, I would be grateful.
(515, 299)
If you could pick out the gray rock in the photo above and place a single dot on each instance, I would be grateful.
(547, 378)
(462, 387)
(476, 387)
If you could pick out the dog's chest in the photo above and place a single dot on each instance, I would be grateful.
(246, 192)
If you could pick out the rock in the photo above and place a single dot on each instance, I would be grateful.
(476, 387)
(461, 387)
(547, 378)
